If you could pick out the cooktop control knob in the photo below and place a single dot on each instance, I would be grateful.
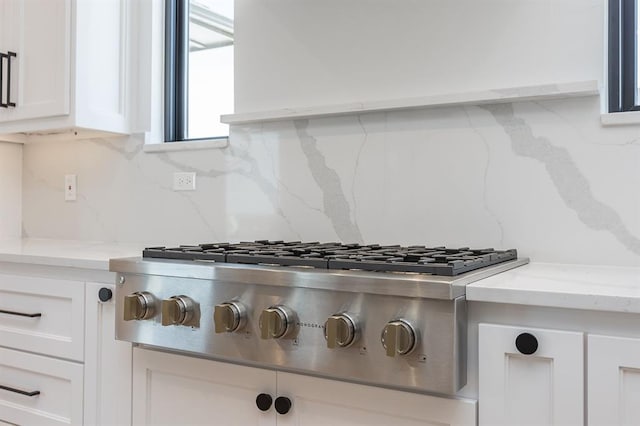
(340, 331)
(398, 337)
(229, 317)
(138, 306)
(278, 322)
(177, 310)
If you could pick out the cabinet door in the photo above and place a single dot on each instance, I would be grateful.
(107, 380)
(177, 390)
(328, 402)
(543, 388)
(4, 10)
(614, 381)
(38, 31)
(101, 65)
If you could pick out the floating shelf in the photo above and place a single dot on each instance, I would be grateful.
(513, 94)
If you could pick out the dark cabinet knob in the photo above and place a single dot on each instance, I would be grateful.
(263, 401)
(526, 343)
(105, 294)
(283, 405)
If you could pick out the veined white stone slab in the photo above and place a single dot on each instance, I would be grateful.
(526, 93)
(66, 253)
(600, 288)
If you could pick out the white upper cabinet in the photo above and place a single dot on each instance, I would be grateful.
(69, 75)
(38, 32)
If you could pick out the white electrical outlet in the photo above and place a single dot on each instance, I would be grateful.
(70, 187)
(184, 181)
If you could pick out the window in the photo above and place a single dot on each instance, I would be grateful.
(623, 56)
(198, 68)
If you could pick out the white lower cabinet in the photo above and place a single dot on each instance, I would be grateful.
(107, 379)
(614, 381)
(42, 337)
(173, 389)
(57, 338)
(38, 390)
(329, 402)
(544, 387)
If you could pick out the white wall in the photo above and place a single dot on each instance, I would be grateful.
(310, 53)
(10, 190)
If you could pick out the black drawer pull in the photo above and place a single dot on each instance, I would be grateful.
(9, 56)
(21, 392)
(21, 314)
(2, 56)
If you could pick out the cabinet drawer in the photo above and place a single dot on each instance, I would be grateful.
(59, 383)
(58, 331)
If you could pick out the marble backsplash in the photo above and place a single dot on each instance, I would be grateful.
(543, 177)
(10, 189)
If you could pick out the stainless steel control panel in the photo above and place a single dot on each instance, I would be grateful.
(406, 342)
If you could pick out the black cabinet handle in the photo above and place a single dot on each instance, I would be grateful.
(21, 392)
(20, 314)
(9, 56)
(526, 343)
(2, 56)
(263, 401)
(283, 405)
(105, 294)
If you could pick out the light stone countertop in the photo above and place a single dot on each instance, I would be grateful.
(67, 253)
(599, 288)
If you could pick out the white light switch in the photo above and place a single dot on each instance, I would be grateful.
(70, 187)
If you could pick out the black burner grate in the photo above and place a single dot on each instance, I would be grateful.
(373, 257)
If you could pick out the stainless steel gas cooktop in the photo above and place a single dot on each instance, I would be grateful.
(383, 315)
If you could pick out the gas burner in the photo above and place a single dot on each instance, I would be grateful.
(373, 257)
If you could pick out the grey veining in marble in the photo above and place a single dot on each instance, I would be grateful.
(267, 186)
(334, 200)
(570, 182)
(485, 177)
(129, 151)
